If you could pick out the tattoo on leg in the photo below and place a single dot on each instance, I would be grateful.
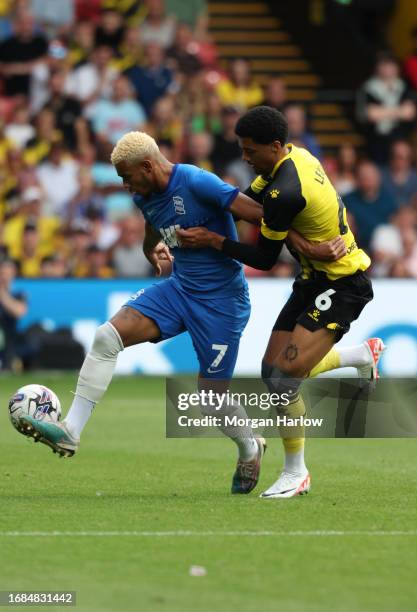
(291, 352)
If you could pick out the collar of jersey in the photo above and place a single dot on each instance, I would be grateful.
(277, 165)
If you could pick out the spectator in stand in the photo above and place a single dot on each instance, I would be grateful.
(200, 147)
(56, 60)
(96, 264)
(115, 117)
(130, 51)
(29, 212)
(58, 179)
(94, 79)
(387, 244)
(385, 108)
(152, 80)
(86, 196)
(370, 204)
(12, 308)
(297, 129)
(110, 29)
(79, 239)
(226, 147)
(275, 93)
(82, 43)
(46, 133)
(30, 255)
(128, 257)
(347, 159)
(104, 234)
(166, 125)
(183, 54)
(409, 240)
(55, 18)
(208, 116)
(400, 177)
(53, 266)
(68, 113)
(157, 27)
(19, 54)
(239, 88)
(19, 130)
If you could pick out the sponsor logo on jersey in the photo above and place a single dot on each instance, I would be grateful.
(169, 235)
(179, 205)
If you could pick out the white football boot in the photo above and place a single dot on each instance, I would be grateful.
(288, 485)
(369, 372)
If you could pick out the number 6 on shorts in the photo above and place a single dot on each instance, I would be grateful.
(323, 301)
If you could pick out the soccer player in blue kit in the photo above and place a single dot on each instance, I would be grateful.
(206, 294)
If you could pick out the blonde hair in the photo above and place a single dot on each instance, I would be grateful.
(134, 147)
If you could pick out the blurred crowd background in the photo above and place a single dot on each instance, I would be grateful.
(77, 74)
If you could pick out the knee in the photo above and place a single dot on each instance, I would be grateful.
(279, 381)
(290, 367)
(107, 342)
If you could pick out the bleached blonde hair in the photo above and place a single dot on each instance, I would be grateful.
(134, 147)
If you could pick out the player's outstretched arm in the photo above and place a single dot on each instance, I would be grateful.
(262, 256)
(331, 250)
(246, 209)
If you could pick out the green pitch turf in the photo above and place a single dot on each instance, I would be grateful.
(128, 477)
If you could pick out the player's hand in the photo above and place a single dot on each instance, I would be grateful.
(159, 253)
(332, 250)
(199, 238)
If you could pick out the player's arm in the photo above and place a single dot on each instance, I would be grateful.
(331, 250)
(246, 209)
(262, 256)
(274, 230)
(154, 249)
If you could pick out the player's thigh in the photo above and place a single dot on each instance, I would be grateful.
(278, 340)
(216, 334)
(285, 323)
(303, 350)
(152, 314)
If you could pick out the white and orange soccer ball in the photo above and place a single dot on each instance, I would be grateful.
(37, 401)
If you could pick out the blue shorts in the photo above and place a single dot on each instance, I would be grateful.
(215, 325)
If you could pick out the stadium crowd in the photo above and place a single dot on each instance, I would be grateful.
(77, 74)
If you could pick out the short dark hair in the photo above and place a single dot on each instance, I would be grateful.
(263, 124)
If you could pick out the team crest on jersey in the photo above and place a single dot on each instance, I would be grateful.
(179, 205)
(274, 193)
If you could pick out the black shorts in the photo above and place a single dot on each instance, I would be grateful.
(319, 303)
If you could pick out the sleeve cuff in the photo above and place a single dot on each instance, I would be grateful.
(272, 234)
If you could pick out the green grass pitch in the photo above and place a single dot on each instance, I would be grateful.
(129, 477)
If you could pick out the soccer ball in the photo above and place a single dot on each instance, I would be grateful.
(36, 400)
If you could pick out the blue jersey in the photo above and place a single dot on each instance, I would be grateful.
(193, 198)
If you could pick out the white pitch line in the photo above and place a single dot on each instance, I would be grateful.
(198, 534)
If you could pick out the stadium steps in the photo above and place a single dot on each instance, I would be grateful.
(248, 29)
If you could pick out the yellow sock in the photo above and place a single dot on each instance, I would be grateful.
(294, 446)
(331, 361)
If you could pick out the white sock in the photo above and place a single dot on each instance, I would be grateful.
(242, 435)
(294, 462)
(95, 376)
(78, 415)
(353, 356)
(247, 447)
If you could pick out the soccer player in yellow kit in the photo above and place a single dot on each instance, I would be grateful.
(327, 295)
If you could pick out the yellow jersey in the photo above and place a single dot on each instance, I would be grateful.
(299, 195)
